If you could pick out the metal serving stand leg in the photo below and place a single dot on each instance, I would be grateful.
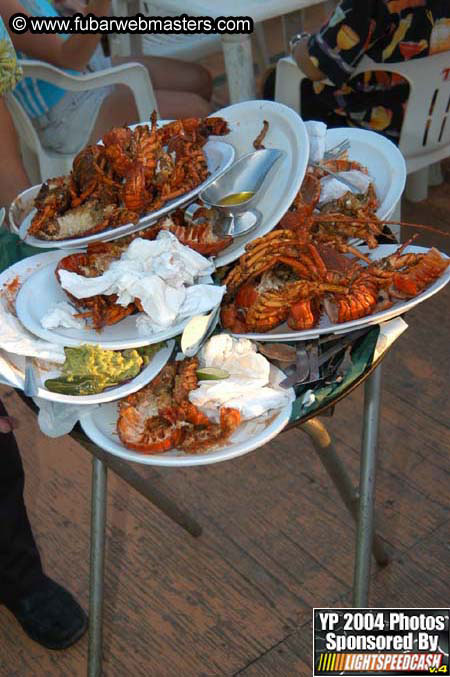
(321, 440)
(365, 527)
(97, 562)
(323, 445)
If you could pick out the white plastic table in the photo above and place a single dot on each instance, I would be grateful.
(237, 49)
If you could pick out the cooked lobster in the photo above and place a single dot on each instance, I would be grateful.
(160, 417)
(131, 172)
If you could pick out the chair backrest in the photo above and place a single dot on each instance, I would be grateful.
(426, 124)
(425, 133)
(40, 164)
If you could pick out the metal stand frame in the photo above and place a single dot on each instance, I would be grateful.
(97, 566)
(365, 528)
(360, 505)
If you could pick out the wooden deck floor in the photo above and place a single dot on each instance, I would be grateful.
(276, 539)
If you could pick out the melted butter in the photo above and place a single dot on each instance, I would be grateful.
(236, 198)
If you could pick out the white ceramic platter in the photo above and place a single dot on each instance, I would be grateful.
(21, 207)
(286, 132)
(41, 291)
(17, 274)
(12, 367)
(383, 160)
(283, 333)
(22, 270)
(219, 155)
(100, 427)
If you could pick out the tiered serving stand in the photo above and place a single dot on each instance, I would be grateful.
(385, 163)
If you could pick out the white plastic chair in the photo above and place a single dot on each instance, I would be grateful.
(186, 47)
(425, 134)
(41, 163)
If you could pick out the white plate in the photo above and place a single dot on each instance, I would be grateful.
(41, 291)
(100, 427)
(383, 160)
(283, 333)
(287, 132)
(14, 365)
(219, 155)
(26, 267)
(21, 207)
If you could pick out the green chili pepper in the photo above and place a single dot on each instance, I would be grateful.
(78, 385)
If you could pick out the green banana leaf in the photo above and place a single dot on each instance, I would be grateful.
(362, 356)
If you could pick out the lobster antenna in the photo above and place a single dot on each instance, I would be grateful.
(330, 217)
(432, 229)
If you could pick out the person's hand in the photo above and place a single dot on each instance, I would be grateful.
(7, 424)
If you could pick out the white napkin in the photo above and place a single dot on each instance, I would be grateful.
(198, 299)
(62, 314)
(332, 189)
(161, 273)
(56, 419)
(389, 332)
(251, 387)
(16, 339)
(317, 132)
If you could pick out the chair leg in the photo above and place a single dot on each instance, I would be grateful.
(435, 175)
(365, 525)
(417, 185)
(337, 472)
(237, 51)
(263, 55)
(284, 32)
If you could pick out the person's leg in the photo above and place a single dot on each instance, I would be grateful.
(175, 105)
(120, 109)
(20, 563)
(314, 107)
(46, 611)
(174, 75)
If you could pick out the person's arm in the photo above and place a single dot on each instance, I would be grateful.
(73, 53)
(301, 56)
(13, 178)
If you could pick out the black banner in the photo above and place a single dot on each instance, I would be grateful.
(381, 641)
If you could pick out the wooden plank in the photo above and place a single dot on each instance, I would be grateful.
(432, 554)
(281, 660)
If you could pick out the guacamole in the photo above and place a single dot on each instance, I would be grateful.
(89, 370)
